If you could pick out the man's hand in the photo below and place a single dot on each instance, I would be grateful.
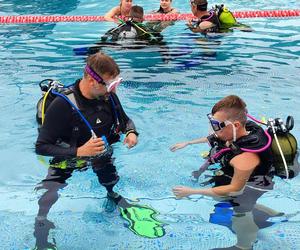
(178, 146)
(130, 140)
(92, 147)
(190, 25)
(182, 191)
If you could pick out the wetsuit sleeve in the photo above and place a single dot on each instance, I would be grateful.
(126, 123)
(57, 127)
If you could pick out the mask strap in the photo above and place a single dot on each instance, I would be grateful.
(233, 130)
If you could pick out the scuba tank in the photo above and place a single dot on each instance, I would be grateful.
(284, 147)
(226, 18)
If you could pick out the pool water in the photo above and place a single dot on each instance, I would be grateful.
(168, 90)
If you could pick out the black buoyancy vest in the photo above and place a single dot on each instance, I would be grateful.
(256, 139)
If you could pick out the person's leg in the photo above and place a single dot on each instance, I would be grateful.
(108, 177)
(106, 173)
(246, 230)
(55, 180)
(243, 221)
(41, 233)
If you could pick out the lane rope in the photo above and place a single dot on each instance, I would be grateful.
(150, 17)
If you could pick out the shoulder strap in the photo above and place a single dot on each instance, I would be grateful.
(72, 99)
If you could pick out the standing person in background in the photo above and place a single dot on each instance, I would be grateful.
(122, 10)
(165, 8)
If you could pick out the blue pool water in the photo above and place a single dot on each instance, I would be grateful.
(168, 99)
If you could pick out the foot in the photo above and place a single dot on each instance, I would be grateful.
(111, 202)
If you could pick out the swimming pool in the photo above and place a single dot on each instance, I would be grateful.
(168, 100)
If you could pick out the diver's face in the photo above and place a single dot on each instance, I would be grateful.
(226, 133)
(104, 87)
(126, 4)
(165, 4)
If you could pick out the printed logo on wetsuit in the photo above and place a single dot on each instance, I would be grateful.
(98, 121)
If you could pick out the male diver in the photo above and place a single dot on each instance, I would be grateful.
(245, 153)
(133, 28)
(78, 130)
(216, 20)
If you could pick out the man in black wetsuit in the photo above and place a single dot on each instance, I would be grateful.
(74, 144)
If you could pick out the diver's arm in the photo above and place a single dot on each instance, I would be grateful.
(206, 25)
(129, 126)
(195, 29)
(234, 188)
(111, 15)
(202, 27)
(180, 145)
(243, 165)
(56, 124)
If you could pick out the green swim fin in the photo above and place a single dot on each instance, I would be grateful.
(142, 221)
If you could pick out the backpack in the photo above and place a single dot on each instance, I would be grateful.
(225, 16)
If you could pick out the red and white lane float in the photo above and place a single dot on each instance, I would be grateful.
(150, 17)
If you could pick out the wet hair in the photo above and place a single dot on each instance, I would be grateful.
(234, 107)
(201, 4)
(102, 64)
(137, 12)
